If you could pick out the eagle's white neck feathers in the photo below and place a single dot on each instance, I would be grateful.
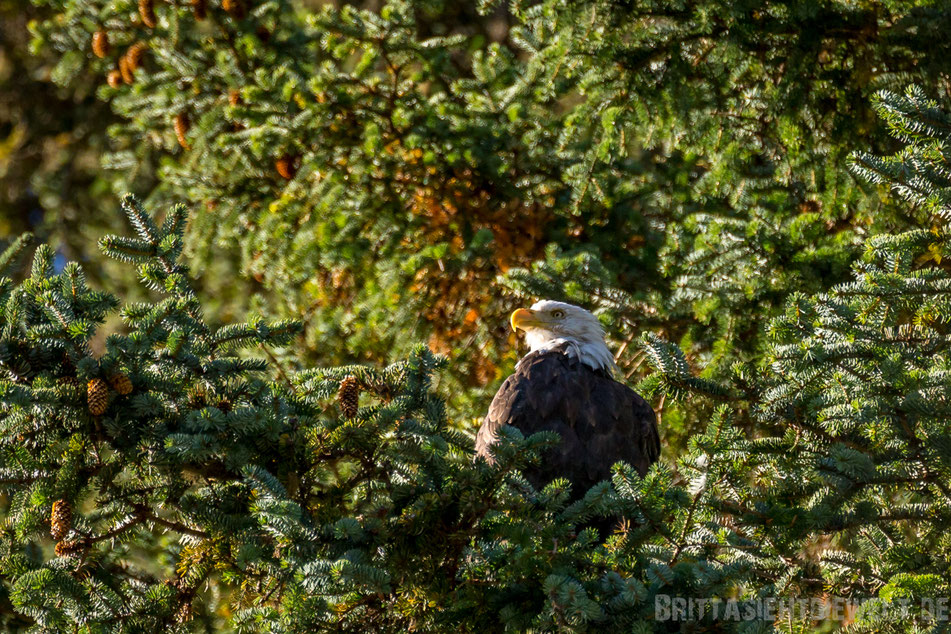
(577, 333)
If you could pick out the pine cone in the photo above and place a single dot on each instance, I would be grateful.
(286, 166)
(114, 78)
(100, 43)
(133, 56)
(234, 97)
(68, 381)
(147, 11)
(61, 519)
(182, 124)
(128, 76)
(184, 613)
(97, 396)
(235, 8)
(199, 9)
(121, 384)
(348, 396)
(66, 548)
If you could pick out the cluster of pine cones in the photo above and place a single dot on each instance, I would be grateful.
(97, 392)
(131, 61)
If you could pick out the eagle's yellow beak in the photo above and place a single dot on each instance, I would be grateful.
(524, 319)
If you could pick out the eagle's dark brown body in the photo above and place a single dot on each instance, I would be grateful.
(600, 421)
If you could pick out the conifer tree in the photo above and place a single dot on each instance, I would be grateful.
(344, 499)
(678, 168)
(102, 469)
(338, 499)
(51, 139)
(688, 147)
(847, 474)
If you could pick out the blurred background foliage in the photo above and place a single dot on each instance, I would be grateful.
(405, 171)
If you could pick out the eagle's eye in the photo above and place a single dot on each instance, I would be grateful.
(558, 314)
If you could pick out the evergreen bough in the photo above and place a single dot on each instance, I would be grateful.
(377, 165)
(210, 495)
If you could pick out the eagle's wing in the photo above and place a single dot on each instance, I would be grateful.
(502, 404)
(600, 420)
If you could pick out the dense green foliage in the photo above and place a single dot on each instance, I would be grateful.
(199, 493)
(51, 138)
(206, 484)
(687, 145)
(344, 185)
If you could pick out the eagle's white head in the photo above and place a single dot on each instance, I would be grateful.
(549, 324)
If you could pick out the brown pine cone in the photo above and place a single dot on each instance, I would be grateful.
(348, 396)
(182, 124)
(69, 381)
(133, 56)
(100, 43)
(128, 76)
(121, 384)
(234, 97)
(97, 396)
(61, 519)
(235, 8)
(286, 166)
(114, 78)
(184, 613)
(66, 548)
(199, 9)
(147, 12)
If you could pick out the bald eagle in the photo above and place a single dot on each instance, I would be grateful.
(566, 384)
